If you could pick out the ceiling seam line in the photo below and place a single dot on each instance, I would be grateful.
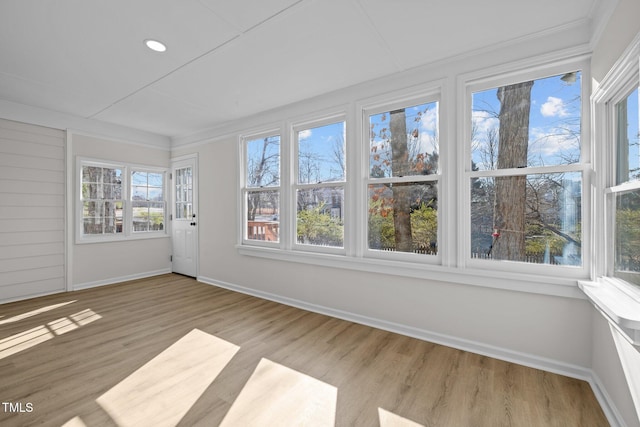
(272, 16)
(164, 76)
(382, 38)
(194, 59)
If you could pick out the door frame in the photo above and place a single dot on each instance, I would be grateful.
(175, 164)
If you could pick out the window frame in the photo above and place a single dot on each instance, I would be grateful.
(127, 209)
(617, 299)
(627, 83)
(383, 105)
(147, 169)
(622, 80)
(245, 189)
(294, 185)
(491, 79)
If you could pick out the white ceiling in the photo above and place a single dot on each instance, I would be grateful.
(231, 59)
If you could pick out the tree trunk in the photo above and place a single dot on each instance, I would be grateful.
(509, 212)
(401, 192)
(258, 175)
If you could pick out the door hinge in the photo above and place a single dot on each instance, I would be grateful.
(171, 258)
(170, 176)
(170, 217)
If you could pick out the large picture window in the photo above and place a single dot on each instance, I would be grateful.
(402, 184)
(525, 171)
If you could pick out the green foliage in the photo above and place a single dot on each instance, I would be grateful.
(537, 245)
(153, 217)
(628, 239)
(381, 229)
(317, 227)
(424, 226)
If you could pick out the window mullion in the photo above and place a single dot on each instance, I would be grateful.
(287, 199)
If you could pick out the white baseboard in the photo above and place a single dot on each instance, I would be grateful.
(113, 280)
(30, 296)
(606, 403)
(529, 360)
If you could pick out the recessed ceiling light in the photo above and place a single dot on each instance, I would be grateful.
(155, 45)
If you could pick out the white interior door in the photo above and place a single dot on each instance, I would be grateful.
(184, 224)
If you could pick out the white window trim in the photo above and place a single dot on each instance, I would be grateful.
(378, 105)
(153, 233)
(127, 226)
(244, 189)
(617, 300)
(500, 76)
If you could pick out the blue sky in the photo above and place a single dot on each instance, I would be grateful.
(146, 185)
(554, 122)
(554, 131)
(254, 155)
(422, 128)
(321, 153)
(633, 120)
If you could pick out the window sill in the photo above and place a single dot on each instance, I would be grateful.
(617, 304)
(519, 282)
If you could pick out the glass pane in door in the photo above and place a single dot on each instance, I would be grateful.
(183, 193)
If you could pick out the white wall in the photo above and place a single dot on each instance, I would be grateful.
(616, 364)
(32, 198)
(93, 264)
(623, 26)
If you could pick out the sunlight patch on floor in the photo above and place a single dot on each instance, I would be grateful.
(74, 422)
(162, 391)
(389, 419)
(276, 395)
(33, 313)
(25, 340)
(85, 317)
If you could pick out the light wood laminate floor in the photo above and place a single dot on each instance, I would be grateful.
(168, 350)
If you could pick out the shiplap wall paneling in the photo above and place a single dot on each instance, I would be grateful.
(32, 200)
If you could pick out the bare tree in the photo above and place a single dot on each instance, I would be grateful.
(510, 208)
(262, 171)
(338, 154)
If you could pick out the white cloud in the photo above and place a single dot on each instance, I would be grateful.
(552, 142)
(429, 120)
(304, 134)
(483, 121)
(554, 107)
(428, 142)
